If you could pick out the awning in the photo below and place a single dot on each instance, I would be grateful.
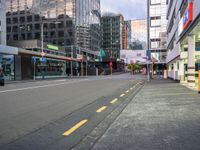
(8, 50)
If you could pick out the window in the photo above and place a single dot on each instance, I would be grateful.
(155, 21)
(155, 2)
(155, 43)
(29, 18)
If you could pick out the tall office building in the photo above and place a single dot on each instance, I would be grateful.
(127, 35)
(157, 23)
(78, 21)
(183, 42)
(2, 27)
(139, 34)
(112, 29)
(2, 23)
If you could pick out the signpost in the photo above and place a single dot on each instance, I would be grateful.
(199, 81)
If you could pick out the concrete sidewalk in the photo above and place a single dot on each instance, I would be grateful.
(163, 116)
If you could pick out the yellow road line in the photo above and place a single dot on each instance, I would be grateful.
(74, 128)
(114, 101)
(127, 91)
(122, 95)
(101, 109)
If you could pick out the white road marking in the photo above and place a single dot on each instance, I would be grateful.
(42, 86)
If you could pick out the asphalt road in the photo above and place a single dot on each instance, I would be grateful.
(58, 114)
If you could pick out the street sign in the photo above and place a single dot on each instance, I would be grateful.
(43, 59)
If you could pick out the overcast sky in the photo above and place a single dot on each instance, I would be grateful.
(130, 9)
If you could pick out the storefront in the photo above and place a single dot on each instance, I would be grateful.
(7, 54)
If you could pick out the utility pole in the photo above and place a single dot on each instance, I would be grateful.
(71, 62)
(148, 42)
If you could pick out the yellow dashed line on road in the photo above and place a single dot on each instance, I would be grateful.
(101, 109)
(122, 95)
(114, 101)
(74, 128)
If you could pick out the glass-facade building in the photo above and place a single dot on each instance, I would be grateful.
(139, 34)
(78, 22)
(112, 26)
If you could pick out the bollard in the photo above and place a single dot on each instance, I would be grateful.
(199, 81)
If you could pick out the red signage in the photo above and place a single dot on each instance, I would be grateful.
(111, 64)
(188, 16)
(43, 54)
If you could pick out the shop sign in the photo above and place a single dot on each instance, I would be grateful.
(52, 47)
(188, 16)
(197, 57)
(180, 27)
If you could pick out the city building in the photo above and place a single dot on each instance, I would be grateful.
(54, 37)
(156, 36)
(183, 41)
(2, 23)
(132, 57)
(65, 22)
(112, 26)
(127, 35)
(139, 34)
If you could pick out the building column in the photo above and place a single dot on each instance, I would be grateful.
(191, 60)
(181, 71)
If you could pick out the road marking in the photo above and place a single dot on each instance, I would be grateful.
(42, 86)
(114, 101)
(131, 88)
(74, 128)
(101, 109)
(127, 91)
(122, 95)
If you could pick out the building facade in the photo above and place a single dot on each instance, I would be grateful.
(183, 42)
(157, 23)
(112, 26)
(2, 23)
(127, 35)
(66, 22)
(139, 34)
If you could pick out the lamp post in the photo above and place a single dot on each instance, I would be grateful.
(42, 41)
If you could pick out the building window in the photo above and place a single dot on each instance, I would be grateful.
(155, 21)
(155, 2)
(29, 18)
(15, 20)
(155, 43)
(8, 20)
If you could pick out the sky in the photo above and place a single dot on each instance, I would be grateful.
(130, 9)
